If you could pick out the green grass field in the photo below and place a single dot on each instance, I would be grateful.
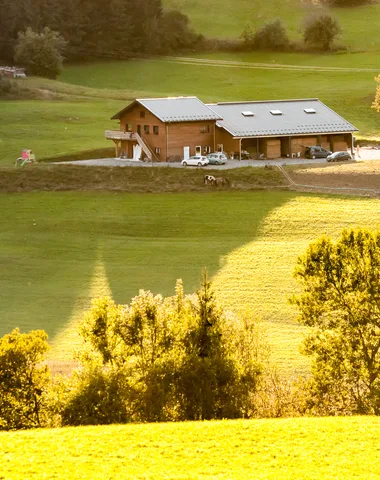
(58, 250)
(303, 449)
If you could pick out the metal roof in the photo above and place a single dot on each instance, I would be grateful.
(174, 109)
(293, 119)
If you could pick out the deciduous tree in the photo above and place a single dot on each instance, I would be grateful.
(340, 301)
(40, 53)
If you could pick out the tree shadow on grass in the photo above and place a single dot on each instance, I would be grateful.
(50, 244)
(46, 255)
(166, 237)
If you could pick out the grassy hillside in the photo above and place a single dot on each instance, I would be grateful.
(306, 448)
(61, 249)
(229, 18)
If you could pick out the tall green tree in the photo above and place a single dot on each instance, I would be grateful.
(23, 379)
(340, 301)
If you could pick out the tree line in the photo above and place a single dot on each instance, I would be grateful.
(184, 358)
(98, 28)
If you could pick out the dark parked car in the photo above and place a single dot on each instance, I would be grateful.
(317, 152)
(338, 157)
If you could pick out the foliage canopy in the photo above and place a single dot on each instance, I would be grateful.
(40, 53)
(271, 36)
(23, 379)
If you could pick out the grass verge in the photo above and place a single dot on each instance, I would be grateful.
(132, 179)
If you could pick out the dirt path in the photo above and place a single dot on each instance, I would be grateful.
(264, 66)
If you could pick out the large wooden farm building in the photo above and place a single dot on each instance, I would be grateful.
(169, 129)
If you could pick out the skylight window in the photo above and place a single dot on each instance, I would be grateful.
(276, 112)
(248, 113)
(309, 110)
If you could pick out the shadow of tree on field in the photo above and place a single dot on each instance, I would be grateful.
(50, 245)
(169, 236)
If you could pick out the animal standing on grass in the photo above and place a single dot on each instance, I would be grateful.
(209, 180)
(222, 181)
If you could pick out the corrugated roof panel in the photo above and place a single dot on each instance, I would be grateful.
(293, 121)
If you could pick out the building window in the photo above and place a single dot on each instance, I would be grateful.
(142, 113)
(207, 149)
(155, 129)
(157, 150)
(146, 129)
(139, 129)
(128, 127)
(205, 129)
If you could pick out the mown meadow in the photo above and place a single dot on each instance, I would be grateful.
(305, 448)
(61, 249)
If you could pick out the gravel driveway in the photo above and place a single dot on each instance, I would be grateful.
(116, 162)
(365, 154)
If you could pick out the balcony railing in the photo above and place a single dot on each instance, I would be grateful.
(119, 135)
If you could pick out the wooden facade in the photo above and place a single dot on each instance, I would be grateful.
(166, 140)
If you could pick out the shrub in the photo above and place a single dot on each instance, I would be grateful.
(97, 396)
(24, 380)
(320, 31)
(8, 86)
(272, 36)
(40, 53)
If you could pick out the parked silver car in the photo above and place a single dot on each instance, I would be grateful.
(216, 158)
(196, 161)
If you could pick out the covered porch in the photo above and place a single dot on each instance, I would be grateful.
(130, 145)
